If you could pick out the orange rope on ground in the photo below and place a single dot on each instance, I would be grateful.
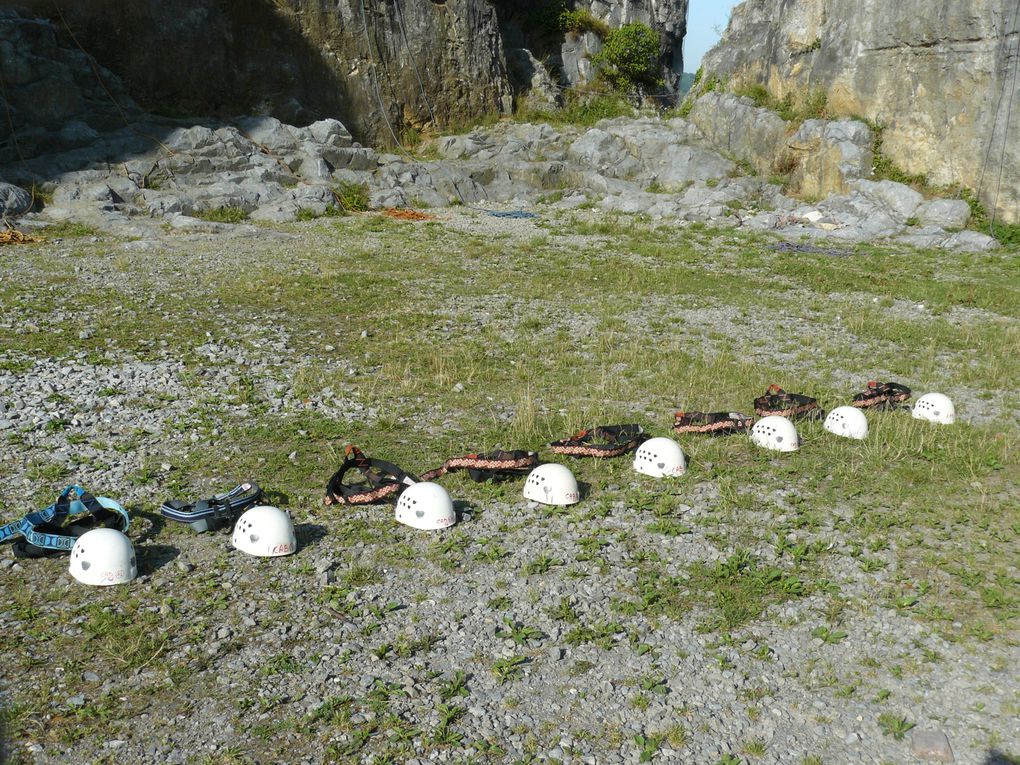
(17, 237)
(393, 212)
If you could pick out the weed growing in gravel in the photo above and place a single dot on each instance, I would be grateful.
(454, 687)
(541, 565)
(509, 669)
(519, 633)
(648, 746)
(894, 725)
(828, 635)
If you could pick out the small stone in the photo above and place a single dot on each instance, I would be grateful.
(458, 388)
(852, 738)
(115, 743)
(90, 677)
(556, 653)
(931, 745)
(364, 334)
(292, 456)
(76, 701)
(183, 565)
(166, 467)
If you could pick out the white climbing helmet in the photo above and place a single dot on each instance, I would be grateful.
(659, 458)
(776, 433)
(265, 532)
(847, 421)
(426, 506)
(551, 484)
(935, 407)
(103, 556)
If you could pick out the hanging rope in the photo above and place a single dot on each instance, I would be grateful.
(998, 108)
(1009, 113)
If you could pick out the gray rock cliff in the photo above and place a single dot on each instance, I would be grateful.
(380, 66)
(936, 74)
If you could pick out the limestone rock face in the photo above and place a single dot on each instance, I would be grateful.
(821, 157)
(528, 24)
(936, 74)
(668, 17)
(299, 60)
(378, 66)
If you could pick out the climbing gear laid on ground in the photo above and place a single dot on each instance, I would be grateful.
(847, 421)
(776, 433)
(552, 484)
(935, 407)
(380, 480)
(216, 512)
(265, 532)
(55, 529)
(712, 423)
(497, 465)
(887, 395)
(425, 506)
(660, 458)
(777, 402)
(103, 557)
(602, 441)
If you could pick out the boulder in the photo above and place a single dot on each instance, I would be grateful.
(949, 214)
(736, 127)
(14, 201)
(826, 156)
(900, 200)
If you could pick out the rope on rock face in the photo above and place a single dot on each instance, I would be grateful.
(414, 66)
(371, 63)
(1009, 114)
(513, 214)
(998, 108)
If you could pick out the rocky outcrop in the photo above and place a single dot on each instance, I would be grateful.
(526, 24)
(937, 76)
(365, 62)
(817, 158)
(379, 66)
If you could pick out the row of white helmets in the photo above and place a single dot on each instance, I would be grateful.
(106, 556)
(779, 433)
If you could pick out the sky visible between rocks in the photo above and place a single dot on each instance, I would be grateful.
(706, 21)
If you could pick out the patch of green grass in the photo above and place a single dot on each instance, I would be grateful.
(223, 215)
(68, 230)
(352, 197)
(582, 20)
(579, 108)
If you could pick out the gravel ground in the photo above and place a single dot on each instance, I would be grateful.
(377, 643)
